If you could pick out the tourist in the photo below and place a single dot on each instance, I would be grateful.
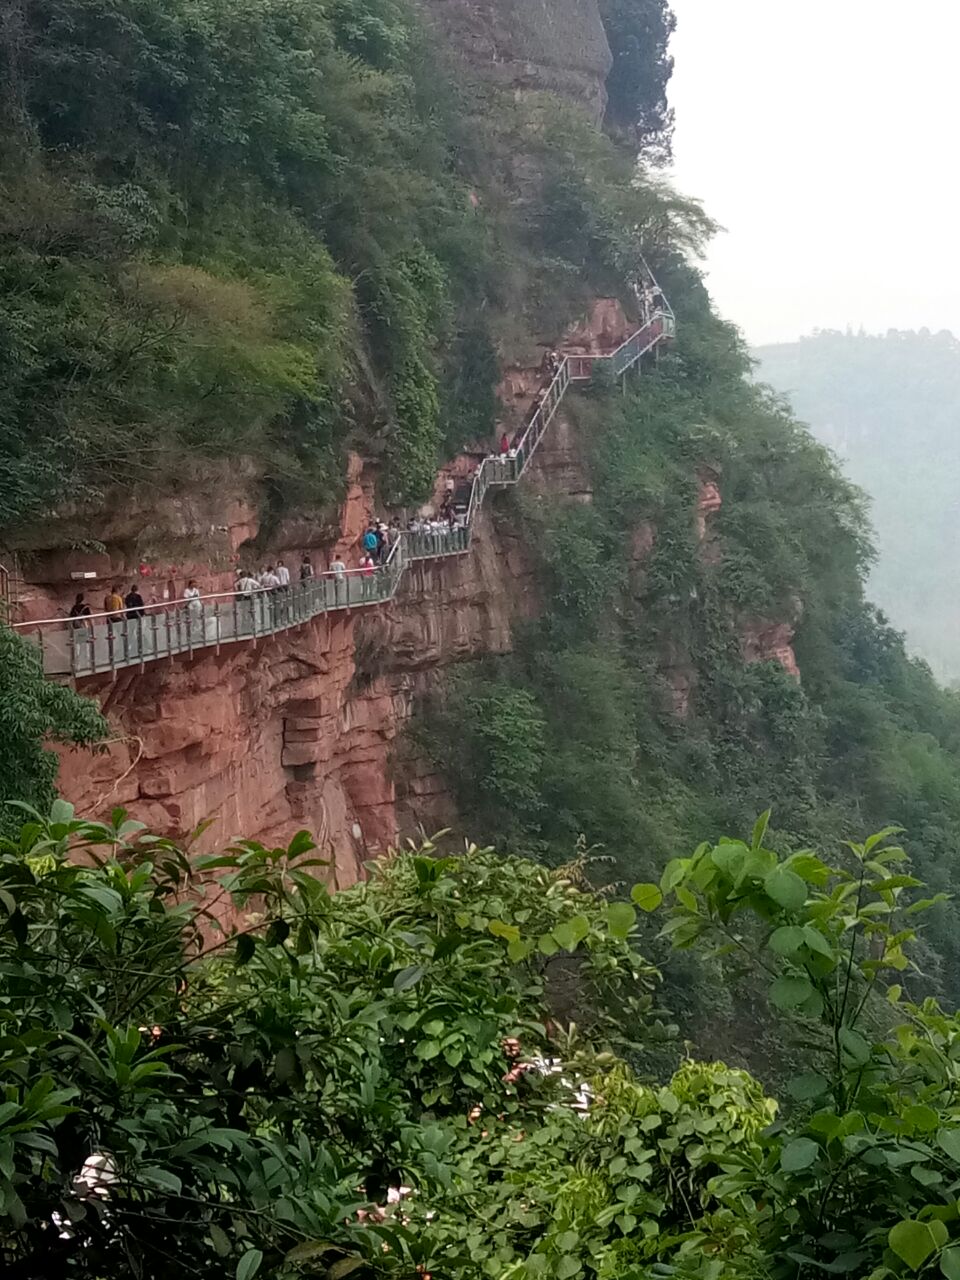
(370, 540)
(269, 580)
(113, 605)
(79, 611)
(339, 571)
(191, 594)
(247, 585)
(504, 445)
(367, 570)
(306, 568)
(283, 574)
(134, 603)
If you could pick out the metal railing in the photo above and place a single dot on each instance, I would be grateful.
(109, 642)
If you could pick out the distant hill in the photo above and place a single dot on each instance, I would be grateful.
(889, 406)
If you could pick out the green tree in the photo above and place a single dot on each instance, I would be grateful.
(34, 711)
(639, 33)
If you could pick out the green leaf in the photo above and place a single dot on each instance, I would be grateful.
(285, 1064)
(566, 935)
(647, 896)
(310, 1249)
(815, 941)
(427, 1049)
(948, 1140)
(518, 950)
(673, 873)
(220, 1239)
(760, 830)
(912, 1241)
(786, 888)
(246, 947)
(786, 940)
(788, 992)
(921, 1117)
(499, 929)
(621, 918)
(547, 945)
(798, 1154)
(277, 933)
(408, 977)
(249, 1264)
(568, 1266)
(343, 1266)
(854, 1046)
(811, 1085)
(950, 1262)
(162, 1178)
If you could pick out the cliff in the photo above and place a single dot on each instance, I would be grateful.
(558, 46)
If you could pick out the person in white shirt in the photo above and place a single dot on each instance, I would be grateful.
(268, 579)
(283, 574)
(246, 585)
(191, 593)
(339, 571)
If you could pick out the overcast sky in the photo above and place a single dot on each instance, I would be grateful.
(822, 134)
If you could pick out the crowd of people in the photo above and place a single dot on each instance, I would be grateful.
(275, 578)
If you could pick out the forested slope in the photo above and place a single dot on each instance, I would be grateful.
(578, 733)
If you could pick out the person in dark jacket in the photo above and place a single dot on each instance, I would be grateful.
(134, 603)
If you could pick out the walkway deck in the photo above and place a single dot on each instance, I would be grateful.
(101, 644)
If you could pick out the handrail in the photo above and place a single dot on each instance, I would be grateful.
(108, 641)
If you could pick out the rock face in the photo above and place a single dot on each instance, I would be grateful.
(529, 45)
(299, 730)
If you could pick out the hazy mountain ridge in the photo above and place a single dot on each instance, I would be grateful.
(889, 406)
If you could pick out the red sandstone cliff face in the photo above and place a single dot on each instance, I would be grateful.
(297, 730)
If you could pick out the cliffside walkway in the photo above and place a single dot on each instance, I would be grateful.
(107, 643)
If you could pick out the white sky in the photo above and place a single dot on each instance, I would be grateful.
(822, 134)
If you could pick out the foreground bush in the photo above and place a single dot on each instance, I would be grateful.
(211, 1066)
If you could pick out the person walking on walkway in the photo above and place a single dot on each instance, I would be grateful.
(339, 571)
(79, 611)
(134, 603)
(306, 568)
(248, 588)
(367, 570)
(370, 540)
(113, 605)
(283, 573)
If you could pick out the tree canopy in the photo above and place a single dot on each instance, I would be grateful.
(214, 1067)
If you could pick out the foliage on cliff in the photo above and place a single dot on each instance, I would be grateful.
(430, 1073)
(209, 213)
(639, 34)
(265, 230)
(33, 712)
(887, 405)
(644, 726)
